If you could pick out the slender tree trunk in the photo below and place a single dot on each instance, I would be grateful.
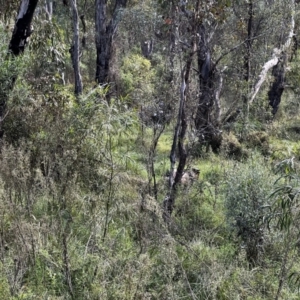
(172, 43)
(179, 139)
(157, 132)
(75, 51)
(247, 61)
(49, 9)
(103, 43)
(83, 40)
(217, 116)
(19, 39)
(104, 37)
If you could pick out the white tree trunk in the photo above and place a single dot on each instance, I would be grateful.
(275, 56)
(49, 9)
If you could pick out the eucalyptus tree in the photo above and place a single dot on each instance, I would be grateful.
(194, 25)
(267, 41)
(258, 39)
(210, 28)
(285, 55)
(277, 52)
(75, 50)
(20, 36)
(49, 8)
(106, 27)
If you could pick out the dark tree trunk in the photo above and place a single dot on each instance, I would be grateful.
(147, 48)
(248, 43)
(277, 86)
(19, 39)
(75, 51)
(23, 28)
(179, 139)
(83, 40)
(247, 60)
(104, 37)
(206, 126)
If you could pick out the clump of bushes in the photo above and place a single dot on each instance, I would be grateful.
(259, 140)
(232, 148)
(247, 203)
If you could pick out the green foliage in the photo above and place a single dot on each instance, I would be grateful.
(49, 55)
(258, 140)
(287, 194)
(248, 205)
(78, 216)
(136, 77)
(231, 147)
(10, 66)
(4, 286)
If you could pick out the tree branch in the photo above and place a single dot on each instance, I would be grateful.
(275, 56)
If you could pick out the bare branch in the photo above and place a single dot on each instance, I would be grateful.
(275, 56)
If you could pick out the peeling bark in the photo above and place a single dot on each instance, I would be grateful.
(263, 74)
(179, 139)
(105, 32)
(275, 56)
(217, 116)
(206, 126)
(49, 9)
(22, 29)
(83, 40)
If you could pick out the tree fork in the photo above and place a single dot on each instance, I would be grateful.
(178, 139)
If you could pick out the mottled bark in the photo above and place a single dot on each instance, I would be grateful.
(22, 29)
(247, 60)
(83, 40)
(178, 141)
(275, 56)
(75, 51)
(217, 114)
(178, 144)
(248, 43)
(105, 32)
(206, 125)
(49, 9)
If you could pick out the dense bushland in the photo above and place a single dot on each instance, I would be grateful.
(83, 178)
